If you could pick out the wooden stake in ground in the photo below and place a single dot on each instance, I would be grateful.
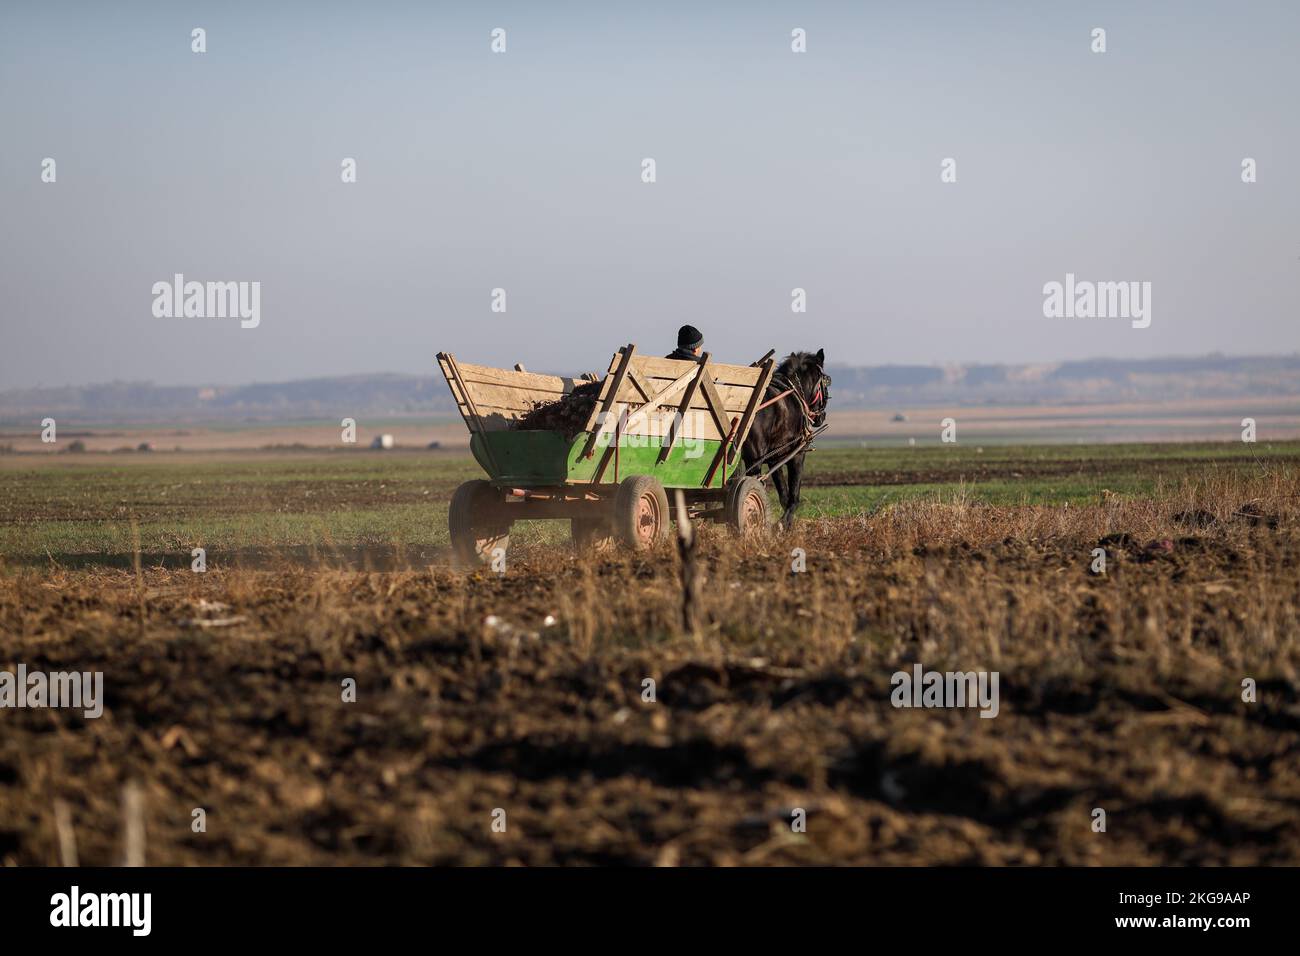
(67, 837)
(132, 825)
(690, 571)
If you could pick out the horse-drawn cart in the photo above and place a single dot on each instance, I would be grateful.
(656, 425)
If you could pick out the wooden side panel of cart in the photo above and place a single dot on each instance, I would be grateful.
(492, 399)
(682, 421)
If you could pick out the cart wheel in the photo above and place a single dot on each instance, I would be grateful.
(591, 535)
(641, 512)
(475, 524)
(746, 509)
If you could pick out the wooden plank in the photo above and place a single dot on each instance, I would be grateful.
(716, 408)
(767, 355)
(608, 393)
(734, 397)
(720, 457)
(649, 367)
(473, 410)
(502, 376)
(683, 410)
(727, 428)
(612, 449)
(698, 423)
(462, 404)
(664, 394)
(747, 419)
(645, 390)
(504, 396)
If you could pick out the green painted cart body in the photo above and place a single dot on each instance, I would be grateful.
(543, 459)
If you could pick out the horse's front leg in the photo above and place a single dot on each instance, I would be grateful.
(781, 486)
(794, 480)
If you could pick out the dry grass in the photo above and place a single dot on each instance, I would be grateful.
(1120, 691)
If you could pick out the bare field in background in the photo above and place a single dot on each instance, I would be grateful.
(1277, 417)
(409, 433)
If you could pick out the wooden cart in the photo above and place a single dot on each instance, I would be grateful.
(658, 424)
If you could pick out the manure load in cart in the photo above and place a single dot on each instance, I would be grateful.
(625, 439)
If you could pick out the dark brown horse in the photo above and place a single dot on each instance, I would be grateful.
(801, 390)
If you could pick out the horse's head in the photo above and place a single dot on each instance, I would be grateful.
(804, 371)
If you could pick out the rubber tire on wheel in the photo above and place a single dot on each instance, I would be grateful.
(591, 535)
(475, 524)
(641, 517)
(746, 507)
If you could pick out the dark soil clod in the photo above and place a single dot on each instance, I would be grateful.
(569, 415)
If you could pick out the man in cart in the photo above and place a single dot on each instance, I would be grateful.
(689, 342)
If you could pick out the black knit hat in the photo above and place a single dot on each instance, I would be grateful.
(689, 337)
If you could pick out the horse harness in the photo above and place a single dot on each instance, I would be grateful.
(808, 412)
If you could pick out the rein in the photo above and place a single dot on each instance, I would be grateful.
(799, 444)
(773, 401)
(804, 407)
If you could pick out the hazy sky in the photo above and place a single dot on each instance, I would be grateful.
(522, 171)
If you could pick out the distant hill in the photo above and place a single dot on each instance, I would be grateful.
(883, 386)
(1092, 381)
(306, 398)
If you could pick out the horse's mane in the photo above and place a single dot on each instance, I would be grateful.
(800, 365)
